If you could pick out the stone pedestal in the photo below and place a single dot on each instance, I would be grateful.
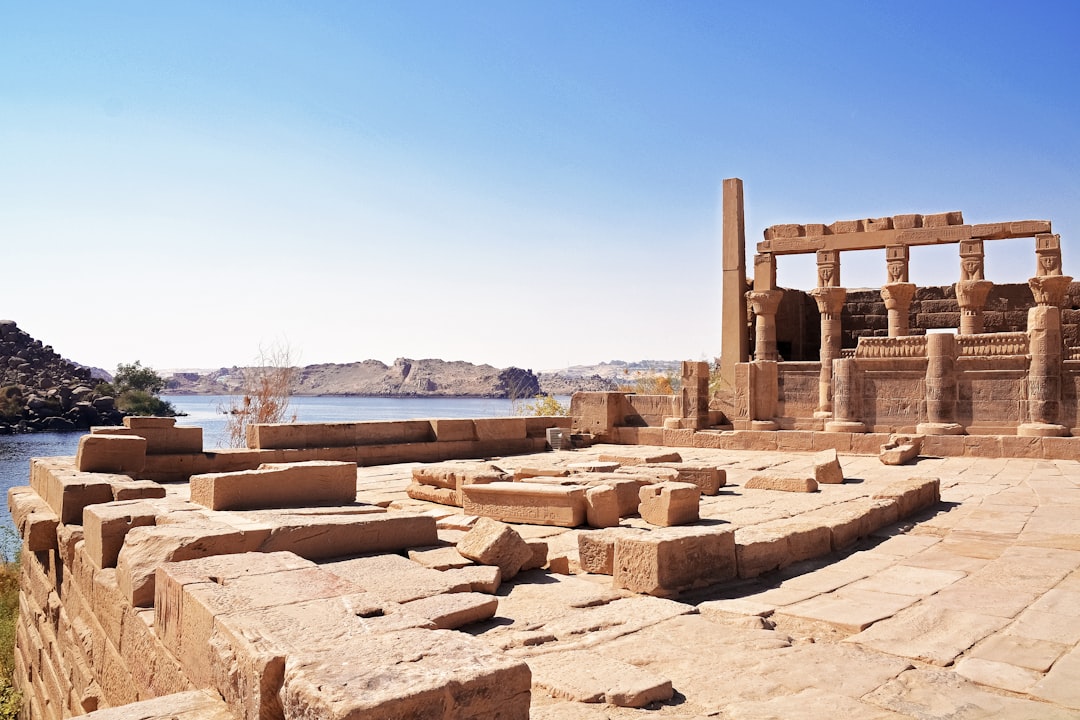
(1044, 371)
(1050, 290)
(764, 304)
(897, 297)
(694, 395)
(847, 398)
(971, 296)
(941, 387)
(830, 302)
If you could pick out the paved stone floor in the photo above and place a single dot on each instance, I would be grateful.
(970, 610)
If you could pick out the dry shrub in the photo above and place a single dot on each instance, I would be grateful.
(651, 383)
(268, 386)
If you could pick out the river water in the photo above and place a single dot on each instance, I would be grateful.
(205, 411)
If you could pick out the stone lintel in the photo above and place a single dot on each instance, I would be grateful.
(880, 239)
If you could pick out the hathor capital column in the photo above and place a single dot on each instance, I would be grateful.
(830, 301)
(898, 292)
(972, 289)
(1045, 341)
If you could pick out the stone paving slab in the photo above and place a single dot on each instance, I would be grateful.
(930, 634)
(848, 609)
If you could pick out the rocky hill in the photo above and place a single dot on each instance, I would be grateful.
(39, 390)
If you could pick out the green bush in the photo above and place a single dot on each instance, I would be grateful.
(140, 402)
(542, 406)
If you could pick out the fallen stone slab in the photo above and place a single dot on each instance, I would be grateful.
(439, 558)
(395, 578)
(481, 578)
(111, 454)
(708, 478)
(646, 458)
(432, 493)
(491, 542)
(626, 487)
(453, 476)
(785, 483)
(901, 449)
(275, 485)
(318, 537)
(455, 610)
(524, 473)
(593, 466)
(526, 502)
(669, 503)
(590, 677)
(827, 469)
(667, 560)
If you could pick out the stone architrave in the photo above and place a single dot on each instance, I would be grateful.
(941, 386)
(830, 302)
(765, 303)
(1044, 372)
(897, 297)
(847, 397)
(971, 296)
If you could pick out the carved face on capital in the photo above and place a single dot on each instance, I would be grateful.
(1049, 264)
(971, 269)
(896, 272)
(825, 275)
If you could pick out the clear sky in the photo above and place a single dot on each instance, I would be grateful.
(534, 184)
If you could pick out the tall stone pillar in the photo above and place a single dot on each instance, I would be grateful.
(1045, 341)
(764, 304)
(898, 297)
(941, 386)
(972, 289)
(694, 395)
(734, 340)
(830, 302)
(847, 397)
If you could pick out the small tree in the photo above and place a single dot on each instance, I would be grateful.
(268, 386)
(136, 389)
(136, 377)
(542, 406)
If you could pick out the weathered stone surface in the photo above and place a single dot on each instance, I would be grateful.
(669, 503)
(481, 578)
(439, 558)
(827, 469)
(105, 526)
(491, 542)
(277, 485)
(590, 677)
(653, 457)
(667, 560)
(708, 478)
(930, 634)
(596, 551)
(901, 449)
(191, 705)
(525, 502)
(781, 482)
(317, 537)
(396, 578)
(111, 454)
(451, 611)
(34, 520)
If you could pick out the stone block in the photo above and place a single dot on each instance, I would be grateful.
(539, 549)
(589, 677)
(708, 478)
(491, 542)
(537, 426)
(432, 493)
(439, 558)
(137, 490)
(679, 438)
(396, 578)
(827, 468)
(641, 458)
(277, 485)
(111, 454)
(911, 495)
(596, 550)
(533, 503)
(34, 520)
(900, 449)
(318, 537)
(667, 560)
(453, 430)
(105, 526)
(481, 578)
(601, 506)
(507, 428)
(189, 705)
(782, 482)
(160, 439)
(66, 490)
(525, 473)
(449, 612)
(669, 503)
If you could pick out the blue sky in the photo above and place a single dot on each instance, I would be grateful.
(533, 184)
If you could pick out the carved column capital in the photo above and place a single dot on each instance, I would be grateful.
(764, 302)
(898, 295)
(830, 300)
(1049, 289)
(971, 294)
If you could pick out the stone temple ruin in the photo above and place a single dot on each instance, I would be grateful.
(887, 533)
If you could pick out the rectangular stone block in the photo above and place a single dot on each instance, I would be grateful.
(667, 560)
(395, 578)
(507, 428)
(330, 536)
(536, 427)
(708, 478)
(452, 430)
(111, 454)
(66, 490)
(277, 485)
(525, 502)
(431, 493)
(596, 550)
(669, 503)
(645, 457)
(34, 520)
(160, 439)
(911, 495)
(105, 526)
(782, 482)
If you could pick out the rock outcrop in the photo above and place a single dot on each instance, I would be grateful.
(39, 390)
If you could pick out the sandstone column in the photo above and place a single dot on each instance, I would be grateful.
(734, 341)
(764, 303)
(941, 386)
(694, 395)
(1046, 344)
(898, 297)
(847, 397)
(830, 302)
